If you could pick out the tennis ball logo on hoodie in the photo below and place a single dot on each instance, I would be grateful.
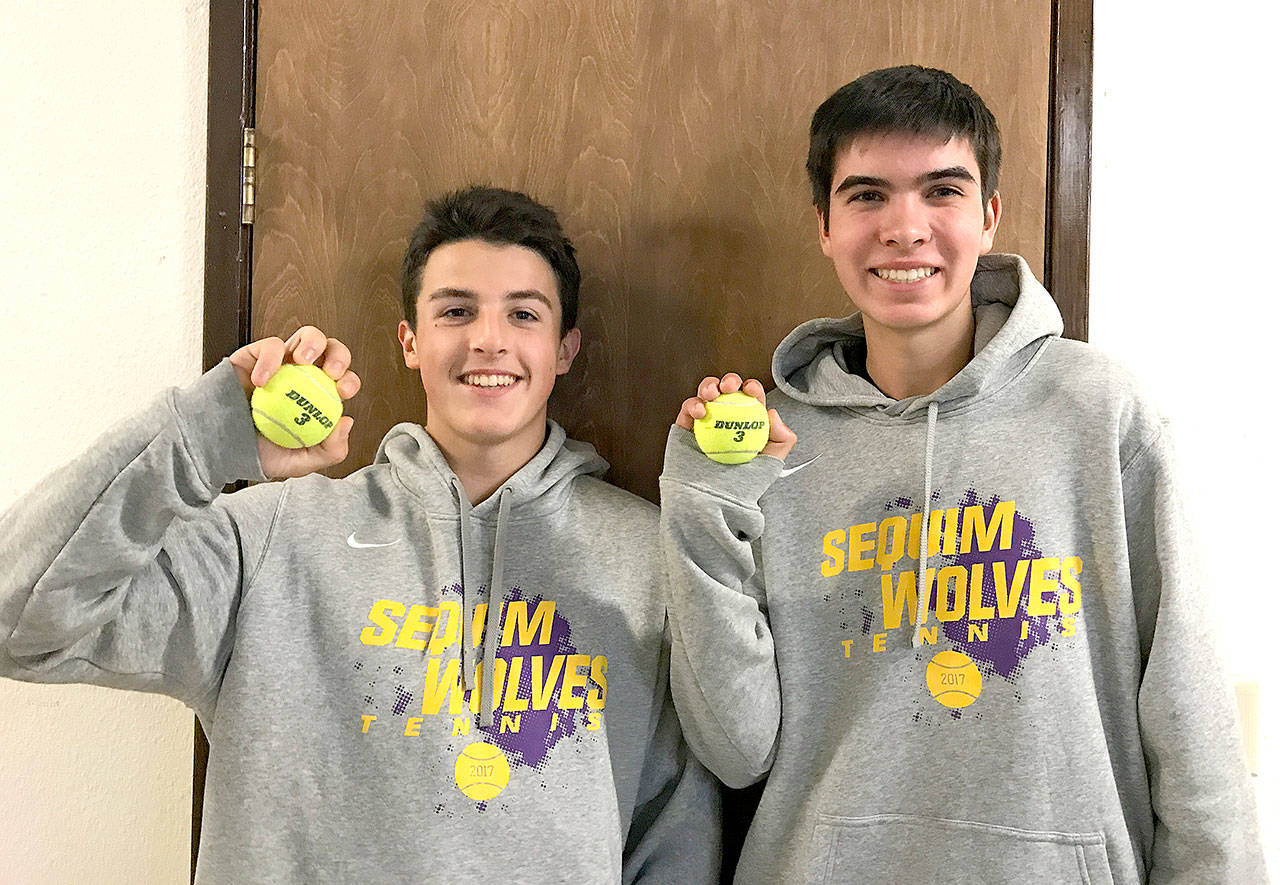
(988, 588)
(953, 679)
(481, 771)
(544, 689)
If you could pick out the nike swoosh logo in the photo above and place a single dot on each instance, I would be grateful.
(787, 471)
(358, 545)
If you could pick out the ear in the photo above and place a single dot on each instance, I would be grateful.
(824, 232)
(568, 349)
(990, 222)
(408, 344)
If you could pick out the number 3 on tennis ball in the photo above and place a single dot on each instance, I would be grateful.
(299, 406)
(734, 430)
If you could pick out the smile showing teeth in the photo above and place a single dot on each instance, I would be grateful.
(904, 276)
(478, 380)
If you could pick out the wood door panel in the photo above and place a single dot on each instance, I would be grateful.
(670, 137)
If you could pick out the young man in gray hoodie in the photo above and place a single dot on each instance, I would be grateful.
(959, 628)
(448, 666)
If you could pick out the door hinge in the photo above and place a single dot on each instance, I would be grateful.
(248, 176)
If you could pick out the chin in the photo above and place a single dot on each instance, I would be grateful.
(496, 434)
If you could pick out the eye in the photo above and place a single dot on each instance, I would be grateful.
(454, 313)
(946, 190)
(866, 197)
(524, 315)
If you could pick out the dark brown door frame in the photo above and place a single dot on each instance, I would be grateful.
(233, 60)
(1070, 163)
(228, 244)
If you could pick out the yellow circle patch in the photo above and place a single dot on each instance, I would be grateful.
(953, 679)
(481, 771)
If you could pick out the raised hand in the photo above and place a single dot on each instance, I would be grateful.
(256, 362)
(781, 438)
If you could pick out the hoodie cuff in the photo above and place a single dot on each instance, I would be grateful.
(685, 463)
(216, 424)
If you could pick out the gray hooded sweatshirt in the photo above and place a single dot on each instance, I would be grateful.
(335, 638)
(1049, 709)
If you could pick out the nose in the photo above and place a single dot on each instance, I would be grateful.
(905, 224)
(488, 332)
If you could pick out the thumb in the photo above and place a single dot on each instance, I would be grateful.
(336, 446)
(781, 437)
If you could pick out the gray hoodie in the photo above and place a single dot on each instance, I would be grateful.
(319, 628)
(1049, 709)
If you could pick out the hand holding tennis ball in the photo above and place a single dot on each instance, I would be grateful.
(296, 389)
(734, 428)
(730, 422)
(297, 407)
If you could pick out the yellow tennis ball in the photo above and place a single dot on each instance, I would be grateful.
(298, 406)
(481, 771)
(953, 679)
(734, 430)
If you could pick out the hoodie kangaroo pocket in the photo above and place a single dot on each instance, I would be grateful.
(895, 848)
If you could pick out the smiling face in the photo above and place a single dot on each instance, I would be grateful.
(906, 226)
(487, 346)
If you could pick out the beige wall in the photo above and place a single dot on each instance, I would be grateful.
(101, 256)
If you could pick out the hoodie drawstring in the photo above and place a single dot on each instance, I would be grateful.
(489, 680)
(488, 675)
(464, 522)
(922, 592)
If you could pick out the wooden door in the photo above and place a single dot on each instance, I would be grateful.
(670, 137)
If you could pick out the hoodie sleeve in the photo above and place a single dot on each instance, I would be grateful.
(121, 567)
(675, 828)
(723, 675)
(1206, 827)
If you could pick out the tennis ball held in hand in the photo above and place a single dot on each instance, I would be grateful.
(734, 430)
(299, 406)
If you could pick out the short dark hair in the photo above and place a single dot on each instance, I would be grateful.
(497, 216)
(909, 99)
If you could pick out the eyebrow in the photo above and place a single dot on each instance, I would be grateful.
(951, 172)
(517, 295)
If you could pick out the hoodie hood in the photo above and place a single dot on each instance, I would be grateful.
(1013, 317)
(540, 486)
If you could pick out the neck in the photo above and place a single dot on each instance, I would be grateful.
(916, 362)
(481, 466)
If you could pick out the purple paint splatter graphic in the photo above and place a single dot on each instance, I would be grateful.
(1004, 650)
(537, 735)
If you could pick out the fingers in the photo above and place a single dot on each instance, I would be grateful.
(335, 446)
(754, 388)
(306, 344)
(310, 345)
(711, 387)
(690, 409)
(258, 361)
(781, 437)
(348, 385)
(335, 359)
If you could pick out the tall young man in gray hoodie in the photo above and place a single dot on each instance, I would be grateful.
(959, 628)
(449, 666)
